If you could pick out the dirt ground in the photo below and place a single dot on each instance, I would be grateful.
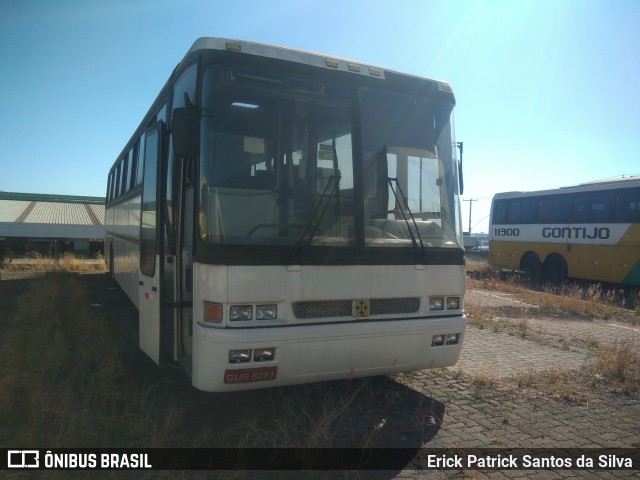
(513, 387)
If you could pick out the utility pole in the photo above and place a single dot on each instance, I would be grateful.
(471, 200)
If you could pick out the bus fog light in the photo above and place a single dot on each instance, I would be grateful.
(266, 312)
(240, 312)
(263, 354)
(437, 340)
(436, 303)
(239, 356)
(453, 303)
(452, 339)
(212, 312)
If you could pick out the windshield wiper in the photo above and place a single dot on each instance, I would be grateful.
(310, 227)
(405, 205)
(335, 178)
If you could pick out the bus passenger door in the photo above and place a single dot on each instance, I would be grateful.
(149, 278)
(179, 187)
(177, 279)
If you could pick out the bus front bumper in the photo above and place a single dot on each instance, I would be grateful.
(320, 352)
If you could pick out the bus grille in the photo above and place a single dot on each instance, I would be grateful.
(342, 308)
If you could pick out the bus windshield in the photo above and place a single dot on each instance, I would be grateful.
(277, 164)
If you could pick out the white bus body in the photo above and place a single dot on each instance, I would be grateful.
(274, 226)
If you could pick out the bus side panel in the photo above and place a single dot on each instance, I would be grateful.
(123, 229)
(631, 240)
(603, 252)
(149, 313)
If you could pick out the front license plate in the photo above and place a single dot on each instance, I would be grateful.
(248, 375)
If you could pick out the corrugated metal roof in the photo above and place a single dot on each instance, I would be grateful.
(39, 215)
(10, 210)
(99, 211)
(56, 213)
(60, 214)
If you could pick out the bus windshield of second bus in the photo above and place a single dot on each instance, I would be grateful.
(277, 166)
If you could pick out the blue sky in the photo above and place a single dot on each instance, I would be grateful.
(547, 90)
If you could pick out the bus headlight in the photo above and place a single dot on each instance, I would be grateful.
(436, 303)
(452, 339)
(445, 339)
(266, 312)
(239, 356)
(240, 312)
(263, 354)
(453, 303)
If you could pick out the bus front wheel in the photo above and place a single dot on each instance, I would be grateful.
(555, 268)
(532, 267)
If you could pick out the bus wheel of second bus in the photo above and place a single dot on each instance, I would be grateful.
(555, 268)
(531, 265)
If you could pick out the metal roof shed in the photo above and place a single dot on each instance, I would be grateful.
(31, 221)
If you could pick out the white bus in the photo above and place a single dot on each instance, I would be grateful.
(282, 217)
(589, 231)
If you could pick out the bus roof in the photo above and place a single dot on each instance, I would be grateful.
(595, 185)
(329, 62)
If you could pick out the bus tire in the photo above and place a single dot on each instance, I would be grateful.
(531, 265)
(555, 268)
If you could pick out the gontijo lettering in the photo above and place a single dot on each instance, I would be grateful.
(591, 233)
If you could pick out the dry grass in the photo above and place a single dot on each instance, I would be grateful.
(362, 413)
(66, 262)
(307, 419)
(578, 298)
(65, 382)
(61, 370)
(480, 266)
(488, 318)
(618, 366)
(562, 383)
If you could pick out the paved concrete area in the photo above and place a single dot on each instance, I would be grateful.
(500, 355)
(546, 342)
(486, 409)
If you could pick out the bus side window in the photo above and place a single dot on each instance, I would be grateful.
(500, 212)
(627, 206)
(134, 165)
(149, 206)
(116, 191)
(554, 209)
(140, 149)
(592, 207)
(521, 210)
(125, 173)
